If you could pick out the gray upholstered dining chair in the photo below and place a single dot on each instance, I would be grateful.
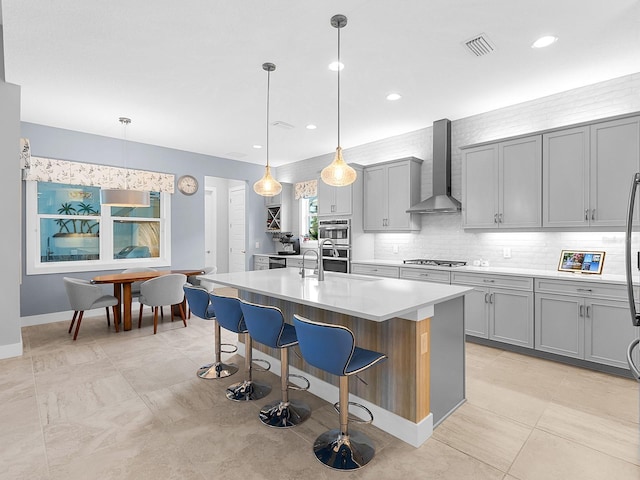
(83, 295)
(135, 286)
(162, 290)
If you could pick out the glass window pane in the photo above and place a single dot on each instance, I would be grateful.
(152, 211)
(136, 239)
(57, 198)
(59, 245)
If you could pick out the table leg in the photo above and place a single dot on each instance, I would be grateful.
(117, 292)
(126, 300)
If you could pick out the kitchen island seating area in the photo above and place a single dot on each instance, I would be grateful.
(199, 302)
(229, 316)
(267, 326)
(332, 348)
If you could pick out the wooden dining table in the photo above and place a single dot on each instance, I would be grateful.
(122, 289)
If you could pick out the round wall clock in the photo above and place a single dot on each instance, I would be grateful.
(188, 184)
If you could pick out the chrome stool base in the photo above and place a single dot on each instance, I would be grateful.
(248, 390)
(284, 415)
(343, 452)
(211, 371)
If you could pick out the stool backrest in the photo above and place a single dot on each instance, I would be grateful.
(325, 346)
(264, 322)
(228, 313)
(199, 301)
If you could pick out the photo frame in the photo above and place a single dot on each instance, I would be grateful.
(577, 261)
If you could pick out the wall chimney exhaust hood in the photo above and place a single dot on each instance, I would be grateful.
(441, 201)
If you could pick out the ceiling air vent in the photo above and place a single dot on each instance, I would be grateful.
(480, 45)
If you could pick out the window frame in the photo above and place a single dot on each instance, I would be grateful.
(35, 266)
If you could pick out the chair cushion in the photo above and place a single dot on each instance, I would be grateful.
(105, 301)
(362, 359)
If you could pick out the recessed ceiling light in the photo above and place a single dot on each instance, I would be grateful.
(257, 146)
(544, 41)
(394, 96)
(311, 126)
(335, 66)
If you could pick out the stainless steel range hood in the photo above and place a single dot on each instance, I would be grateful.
(441, 201)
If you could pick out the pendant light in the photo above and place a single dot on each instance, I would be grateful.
(124, 197)
(267, 186)
(338, 173)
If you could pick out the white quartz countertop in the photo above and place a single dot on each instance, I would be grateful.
(372, 298)
(522, 272)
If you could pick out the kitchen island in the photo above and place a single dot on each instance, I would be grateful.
(419, 325)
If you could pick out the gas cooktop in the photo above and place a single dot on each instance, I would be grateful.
(439, 263)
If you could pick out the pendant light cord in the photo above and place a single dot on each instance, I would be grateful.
(339, 68)
(268, 90)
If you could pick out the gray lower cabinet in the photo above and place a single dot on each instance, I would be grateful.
(425, 274)
(499, 308)
(588, 321)
(260, 262)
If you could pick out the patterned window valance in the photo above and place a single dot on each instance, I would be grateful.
(89, 174)
(306, 189)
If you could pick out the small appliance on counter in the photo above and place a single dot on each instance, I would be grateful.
(290, 245)
(437, 263)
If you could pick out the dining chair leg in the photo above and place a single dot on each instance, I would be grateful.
(115, 319)
(182, 315)
(73, 320)
(108, 319)
(75, 335)
(155, 320)
(140, 316)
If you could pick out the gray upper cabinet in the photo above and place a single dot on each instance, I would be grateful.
(588, 172)
(334, 200)
(390, 188)
(502, 184)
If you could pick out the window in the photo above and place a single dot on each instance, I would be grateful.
(68, 230)
(308, 218)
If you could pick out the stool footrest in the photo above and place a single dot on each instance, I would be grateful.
(234, 348)
(261, 369)
(353, 418)
(293, 386)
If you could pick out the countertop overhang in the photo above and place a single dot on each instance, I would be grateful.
(372, 298)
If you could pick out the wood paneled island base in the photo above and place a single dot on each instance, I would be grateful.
(422, 381)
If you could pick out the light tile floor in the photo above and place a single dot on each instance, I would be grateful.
(129, 406)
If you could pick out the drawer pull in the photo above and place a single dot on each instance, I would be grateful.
(585, 290)
(424, 274)
(486, 280)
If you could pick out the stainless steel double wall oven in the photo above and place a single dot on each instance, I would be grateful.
(338, 230)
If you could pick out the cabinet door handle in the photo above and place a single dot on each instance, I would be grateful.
(593, 214)
(495, 218)
(586, 214)
(491, 297)
(588, 311)
(499, 218)
(581, 311)
(486, 298)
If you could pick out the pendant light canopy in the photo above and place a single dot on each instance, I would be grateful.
(338, 173)
(124, 197)
(267, 186)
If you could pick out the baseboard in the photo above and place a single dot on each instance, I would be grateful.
(12, 350)
(53, 317)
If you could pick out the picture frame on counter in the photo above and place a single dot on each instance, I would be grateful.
(577, 261)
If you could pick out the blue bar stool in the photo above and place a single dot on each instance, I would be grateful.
(229, 315)
(199, 303)
(332, 348)
(266, 325)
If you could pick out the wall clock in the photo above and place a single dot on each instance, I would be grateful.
(188, 184)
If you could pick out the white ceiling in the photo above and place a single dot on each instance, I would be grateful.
(189, 73)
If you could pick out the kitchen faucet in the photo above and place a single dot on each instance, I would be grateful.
(320, 266)
(317, 261)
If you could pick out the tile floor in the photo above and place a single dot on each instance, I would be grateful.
(129, 406)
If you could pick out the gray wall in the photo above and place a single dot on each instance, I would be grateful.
(10, 335)
(187, 221)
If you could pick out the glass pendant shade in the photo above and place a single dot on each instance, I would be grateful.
(124, 198)
(267, 186)
(338, 173)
